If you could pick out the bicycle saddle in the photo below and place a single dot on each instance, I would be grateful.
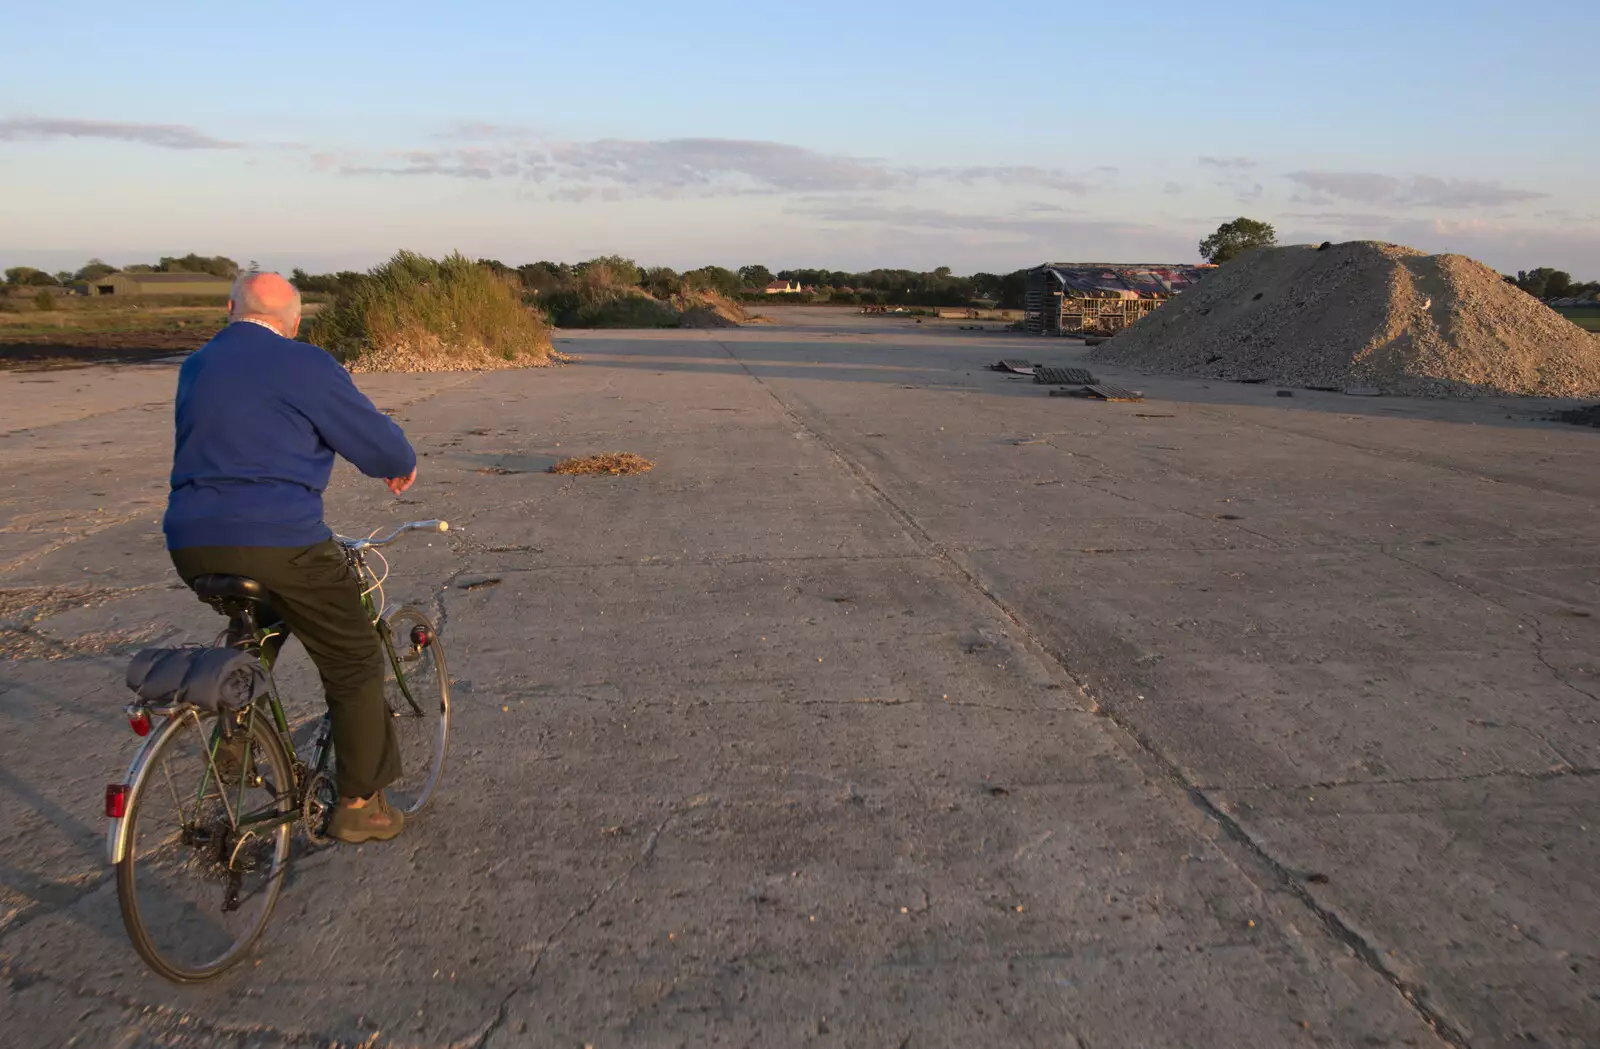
(218, 587)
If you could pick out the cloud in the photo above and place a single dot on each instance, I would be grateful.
(1245, 192)
(669, 168)
(1508, 245)
(165, 136)
(478, 130)
(1029, 225)
(1015, 175)
(1343, 219)
(1418, 191)
(1172, 189)
(1228, 162)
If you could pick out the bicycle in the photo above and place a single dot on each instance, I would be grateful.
(202, 822)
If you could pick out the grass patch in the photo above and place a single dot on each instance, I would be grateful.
(1588, 319)
(416, 314)
(68, 317)
(608, 463)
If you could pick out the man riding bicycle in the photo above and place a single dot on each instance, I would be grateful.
(259, 418)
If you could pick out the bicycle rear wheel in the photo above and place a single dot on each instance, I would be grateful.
(207, 846)
(416, 688)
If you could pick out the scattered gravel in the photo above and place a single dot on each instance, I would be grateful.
(1365, 314)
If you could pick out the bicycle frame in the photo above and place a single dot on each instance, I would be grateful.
(244, 631)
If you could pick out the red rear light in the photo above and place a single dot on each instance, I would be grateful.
(116, 800)
(140, 723)
(420, 637)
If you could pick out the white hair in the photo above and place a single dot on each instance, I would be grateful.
(246, 303)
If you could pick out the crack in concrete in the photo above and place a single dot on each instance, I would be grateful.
(1538, 650)
(1532, 621)
(1413, 994)
(646, 854)
(17, 978)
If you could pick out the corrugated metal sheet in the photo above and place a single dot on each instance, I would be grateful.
(1063, 376)
(1131, 281)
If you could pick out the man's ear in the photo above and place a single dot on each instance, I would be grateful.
(230, 306)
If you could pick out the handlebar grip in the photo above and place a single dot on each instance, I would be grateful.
(433, 526)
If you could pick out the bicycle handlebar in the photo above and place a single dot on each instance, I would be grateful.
(414, 526)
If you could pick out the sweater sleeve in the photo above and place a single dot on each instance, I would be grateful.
(351, 425)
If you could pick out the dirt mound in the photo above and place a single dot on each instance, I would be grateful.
(426, 352)
(1365, 314)
(707, 309)
(704, 317)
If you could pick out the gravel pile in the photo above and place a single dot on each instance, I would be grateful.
(1365, 314)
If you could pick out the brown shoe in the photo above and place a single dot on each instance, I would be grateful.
(374, 821)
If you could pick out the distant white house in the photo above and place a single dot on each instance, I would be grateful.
(782, 287)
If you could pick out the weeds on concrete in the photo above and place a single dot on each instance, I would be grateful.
(416, 314)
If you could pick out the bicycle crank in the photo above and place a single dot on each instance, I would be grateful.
(317, 808)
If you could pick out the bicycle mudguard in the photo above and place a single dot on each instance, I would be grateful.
(118, 831)
(216, 680)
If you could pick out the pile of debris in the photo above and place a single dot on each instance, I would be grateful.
(1365, 314)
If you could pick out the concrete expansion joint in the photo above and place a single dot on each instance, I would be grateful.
(1414, 994)
(1540, 775)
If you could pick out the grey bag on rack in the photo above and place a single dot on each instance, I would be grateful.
(213, 679)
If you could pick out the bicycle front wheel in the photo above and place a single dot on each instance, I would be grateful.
(206, 847)
(416, 688)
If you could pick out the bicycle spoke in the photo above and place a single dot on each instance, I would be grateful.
(198, 882)
(415, 690)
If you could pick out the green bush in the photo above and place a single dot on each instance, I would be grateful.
(44, 301)
(600, 295)
(414, 313)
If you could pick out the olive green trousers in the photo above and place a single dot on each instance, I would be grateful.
(318, 596)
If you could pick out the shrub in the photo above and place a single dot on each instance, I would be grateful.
(618, 270)
(414, 313)
(601, 295)
(44, 301)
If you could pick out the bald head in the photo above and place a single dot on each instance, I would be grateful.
(268, 298)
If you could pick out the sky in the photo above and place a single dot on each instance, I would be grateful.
(846, 136)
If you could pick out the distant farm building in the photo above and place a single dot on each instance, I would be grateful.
(1071, 298)
(782, 287)
(195, 284)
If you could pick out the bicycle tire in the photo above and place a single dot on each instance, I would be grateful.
(422, 730)
(263, 754)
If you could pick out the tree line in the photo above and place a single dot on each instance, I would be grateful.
(1547, 283)
(94, 269)
(890, 287)
(902, 287)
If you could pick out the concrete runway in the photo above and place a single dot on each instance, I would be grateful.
(901, 705)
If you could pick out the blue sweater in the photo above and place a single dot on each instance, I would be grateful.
(259, 418)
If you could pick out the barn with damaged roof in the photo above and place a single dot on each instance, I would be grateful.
(1098, 298)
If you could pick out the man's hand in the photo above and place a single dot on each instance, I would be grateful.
(400, 484)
